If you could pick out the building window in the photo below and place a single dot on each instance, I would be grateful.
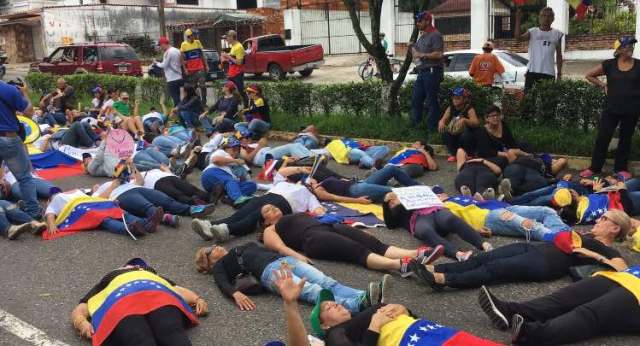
(506, 23)
(245, 4)
(187, 2)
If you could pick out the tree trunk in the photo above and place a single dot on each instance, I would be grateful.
(161, 18)
(516, 29)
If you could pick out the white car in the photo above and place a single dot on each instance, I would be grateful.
(457, 65)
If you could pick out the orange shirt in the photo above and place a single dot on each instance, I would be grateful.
(484, 67)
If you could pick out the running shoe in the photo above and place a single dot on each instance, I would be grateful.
(201, 210)
(429, 256)
(451, 158)
(16, 230)
(517, 327)
(492, 307)
(426, 276)
(202, 228)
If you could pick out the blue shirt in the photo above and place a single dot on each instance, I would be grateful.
(12, 97)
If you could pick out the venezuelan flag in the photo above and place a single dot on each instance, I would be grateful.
(133, 293)
(83, 214)
(629, 279)
(591, 207)
(409, 156)
(407, 331)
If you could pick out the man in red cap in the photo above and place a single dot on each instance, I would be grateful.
(172, 66)
(427, 54)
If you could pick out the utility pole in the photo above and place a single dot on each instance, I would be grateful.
(163, 27)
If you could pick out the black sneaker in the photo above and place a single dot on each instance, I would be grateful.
(137, 228)
(421, 272)
(489, 304)
(517, 326)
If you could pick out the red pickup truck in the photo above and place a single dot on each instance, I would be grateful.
(269, 54)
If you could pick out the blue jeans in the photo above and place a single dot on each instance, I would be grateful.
(367, 158)
(14, 154)
(166, 144)
(308, 141)
(375, 186)
(257, 127)
(143, 202)
(543, 196)
(116, 226)
(10, 214)
(546, 222)
(55, 118)
(42, 189)
(181, 132)
(234, 188)
(426, 87)
(292, 150)
(150, 158)
(190, 119)
(316, 281)
(173, 88)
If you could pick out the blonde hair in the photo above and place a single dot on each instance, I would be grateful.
(202, 262)
(621, 219)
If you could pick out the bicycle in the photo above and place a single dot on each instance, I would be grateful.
(368, 69)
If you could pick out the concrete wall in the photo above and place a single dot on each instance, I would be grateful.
(112, 22)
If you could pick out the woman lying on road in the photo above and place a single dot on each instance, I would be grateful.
(432, 225)
(293, 235)
(148, 309)
(261, 263)
(604, 304)
(179, 189)
(380, 324)
(288, 197)
(536, 262)
(372, 189)
(478, 175)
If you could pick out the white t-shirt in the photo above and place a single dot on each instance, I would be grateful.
(151, 177)
(171, 64)
(59, 201)
(213, 144)
(542, 50)
(156, 115)
(95, 102)
(122, 188)
(221, 153)
(10, 178)
(299, 197)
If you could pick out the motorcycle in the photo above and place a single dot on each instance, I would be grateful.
(3, 61)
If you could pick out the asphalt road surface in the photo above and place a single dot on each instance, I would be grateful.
(42, 281)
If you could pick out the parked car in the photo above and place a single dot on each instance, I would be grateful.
(457, 65)
(213, 62)
(269, 54)
(102, 57)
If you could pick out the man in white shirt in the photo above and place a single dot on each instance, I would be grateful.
(545, 50)
(172, 67)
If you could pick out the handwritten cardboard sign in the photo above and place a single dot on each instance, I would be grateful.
(417, 197)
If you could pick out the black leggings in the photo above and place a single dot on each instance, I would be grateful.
(432, 229)
(245, 220)
(588, 308)
(606, 128)
(476, 176)
(165, 326)
(524, 179)
(79, 135)
(181, 190)
(343, 243)
(509, 263)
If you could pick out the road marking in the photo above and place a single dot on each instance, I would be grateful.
(25, 331)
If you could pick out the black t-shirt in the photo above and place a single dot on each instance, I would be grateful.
(337, 186)
(354, 331)
(106, 280)
(623, 88)
(503, 143)
(250, 258)
(296, 229)
(562, 261)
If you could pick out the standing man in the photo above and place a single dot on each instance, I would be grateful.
(427, 54)
(171, 65)
(13, 152)
(235, 57)
(195, 64)
(545, 50)
(484, 67)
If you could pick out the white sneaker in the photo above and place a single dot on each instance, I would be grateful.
(16, 230)
(202, 228)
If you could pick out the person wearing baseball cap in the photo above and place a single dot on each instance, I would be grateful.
(194, 63)
(427, 53)
(622, 106)
(484, 67)
(224, 111)
(229, 170)
(172, 66)
(235, 58)
(257, 117)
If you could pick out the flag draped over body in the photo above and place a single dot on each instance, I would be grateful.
(83, 214)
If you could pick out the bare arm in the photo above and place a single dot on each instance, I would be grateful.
(524, 37)
(559, 59)
(433, 165)
(473, 120)
(324, 195)
(492, 166)
(80, 320)
(273, 242)
(593, 74)
(51, 223)
(288, 171)
(106, 193)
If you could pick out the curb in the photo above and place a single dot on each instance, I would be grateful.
(575, 162)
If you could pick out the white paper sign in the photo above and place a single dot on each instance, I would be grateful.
(76, 153)
(417, 197)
